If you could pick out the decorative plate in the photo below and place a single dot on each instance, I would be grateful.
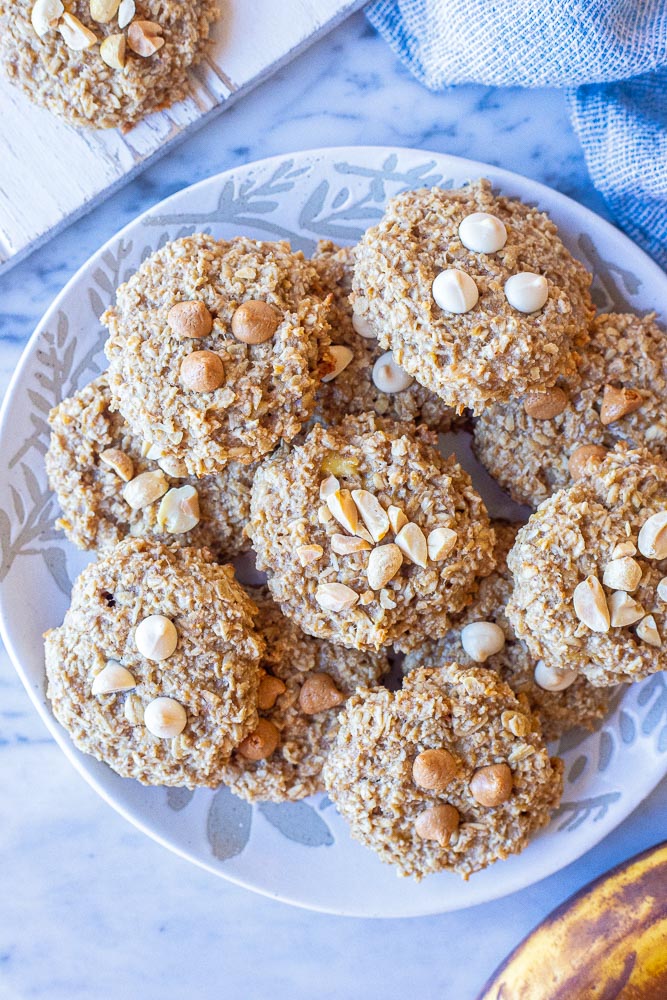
(301, 852)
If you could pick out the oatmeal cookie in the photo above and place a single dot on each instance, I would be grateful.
(494, 334)
(304, 685)
(578, 704)
(155, 669)
(589, 572)
(126, 69)
(215, 346)
(93, 463)
(357, 389)
(368, 535)
(618, 394)
(447, 773)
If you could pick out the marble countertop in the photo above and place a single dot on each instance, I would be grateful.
(90, 907)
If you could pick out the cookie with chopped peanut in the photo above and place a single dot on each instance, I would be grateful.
(305, 682)
(590, 572)
(110, 484)
(216, 347)
(369, 537)
(155, 669)
(539, 442)
(103, 63)
(482, 634)
(474, 293)
(449, 773)
(365, 377)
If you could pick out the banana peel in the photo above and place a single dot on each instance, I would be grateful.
(607, 941)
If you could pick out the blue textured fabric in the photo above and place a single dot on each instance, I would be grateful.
(610, 54)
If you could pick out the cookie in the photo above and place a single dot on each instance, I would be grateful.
(371, 380)
(102, 64)
(304, 685)
(589, 572)
(215, 348)
(474, 293)
(100, 472)
(368, 535)
(448, 773)
(155, 669)
(497, 647)
(530, 445)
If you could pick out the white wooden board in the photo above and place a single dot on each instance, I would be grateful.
(40, 191)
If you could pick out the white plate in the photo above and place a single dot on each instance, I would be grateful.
(300, 853)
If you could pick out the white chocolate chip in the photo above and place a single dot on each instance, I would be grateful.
(165, 718)
(397, 519)
(412, 543)
(113, 678)
(388, 376)
(590, 604)
(481, 640)
(343, 545)
(341, 357)
(662, 589)
(622, 574)
(648, 631)
(652, 541)
(179, 510)
(372, 513)
(624, 549)
(156, 637)
(343, 508)
(335, 597)
(624, 610)
(362, 326)
(384, 563)
(145, 488)
(126, 12)
(551, 679)
(328, 486)
(309, 553)
(482, 232)
(526, 292)
(455, 291)
(75, 34)
(117, 460)
(45, 15)
(440, 543)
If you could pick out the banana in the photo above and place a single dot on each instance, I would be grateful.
(607, 941)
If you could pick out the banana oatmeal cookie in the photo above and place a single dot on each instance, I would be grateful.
(447, 773)
(590, 572)
(368, 535)
(215, 347)
(304, 684)
(108, 487)
(532, 445)
(103, 63)
(155, 669)
(371, 379)
(483, 634)
(475, 294)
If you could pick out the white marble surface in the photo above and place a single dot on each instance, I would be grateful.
(89, 907)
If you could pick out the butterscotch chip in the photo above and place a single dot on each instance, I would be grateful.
(582, 457)
(319, 693)
(371, 769)
(202, 371)
(190, 319)
(617, 403)
(269, 689)
(261, 742)
(255, 322)
(492, 785)
(545, 405)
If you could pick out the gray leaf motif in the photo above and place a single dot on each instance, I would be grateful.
(299, 822)
(577, 813)
(56, 563)
(228, 824)
(179, 798)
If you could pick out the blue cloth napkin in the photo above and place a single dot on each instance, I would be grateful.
(611, 55)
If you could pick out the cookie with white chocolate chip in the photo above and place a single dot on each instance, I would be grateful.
(449, 773)
(474, 293)
(368, 535)
(155, 669)
(370, 379)
(216, 348)
(483, 634)
(103, 63)
(538, 443)
(589, 570)
(305, 683)
(110, 484)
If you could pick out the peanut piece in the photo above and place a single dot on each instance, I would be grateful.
(648, 631)
(75, 34)
(481, 640)
(545, 405)
(165, 718)
(492, 785)
(624, 609)
(662, 589)
(145, 37)
(335, 597)
(45, 15)
(103, 11)
(255, 322)
(622, 574)
(383, 565)
(438, 823)
(652, 541)
(145, 488)
(261, 743)
(156, 637)
(121, 463)
(174, 467)
(343, 545)
(434, 769)
(112, 51)
(190, 319)
(113, 678)
(440, 543)
(319, 693)
(372, 513)
(627, 548)
(582, 456)
(343, 508)
(590, 604)
(339, 357)
(397, 519)
(126, 12)
(202, 371)
(309, 554)
(617, 403)
(551, 679)
(270, 689)
(328, 486)
(179, 510)
(412, 543)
